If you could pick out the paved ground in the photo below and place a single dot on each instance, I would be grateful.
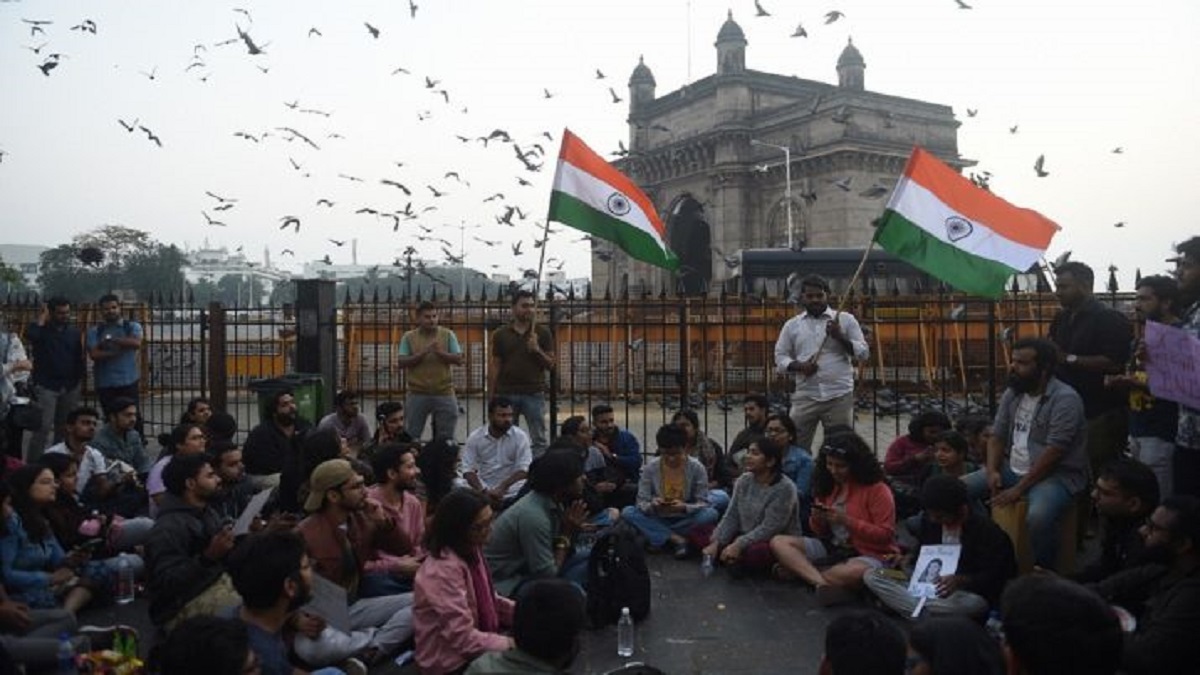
(696, 625)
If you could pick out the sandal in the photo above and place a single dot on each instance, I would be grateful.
(781, 573)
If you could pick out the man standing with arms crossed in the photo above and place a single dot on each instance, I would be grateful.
(522, 355)
(113, 345)
(819, 347)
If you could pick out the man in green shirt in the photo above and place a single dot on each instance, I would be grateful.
(522, 355)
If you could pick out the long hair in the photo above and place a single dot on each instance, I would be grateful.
(32, 516)
(438, 461)
(170, 442)
(852, 449)
(771, 449)
(452, 521)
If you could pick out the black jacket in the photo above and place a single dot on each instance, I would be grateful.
(1168, 622)
(176, 570)
(988, 559)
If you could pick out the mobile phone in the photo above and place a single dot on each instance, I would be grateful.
(90, 545)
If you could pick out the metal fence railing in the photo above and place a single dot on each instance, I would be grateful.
(647, 355)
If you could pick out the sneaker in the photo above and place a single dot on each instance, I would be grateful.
(354, 667)
(105, 637)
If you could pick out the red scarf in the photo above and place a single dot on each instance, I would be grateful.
(485, 595)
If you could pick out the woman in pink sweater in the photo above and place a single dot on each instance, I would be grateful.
(853, 516)
(457, 614)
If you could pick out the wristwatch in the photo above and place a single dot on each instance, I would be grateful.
(1072, 358)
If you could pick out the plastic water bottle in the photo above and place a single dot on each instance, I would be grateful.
(625, 634)
(994, 626)
(125, 581)
(706, 566)
(66, 656)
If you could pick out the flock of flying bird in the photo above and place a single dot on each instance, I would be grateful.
(419, 200)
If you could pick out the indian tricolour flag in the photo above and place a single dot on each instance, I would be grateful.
(964, 235)
(590, 195)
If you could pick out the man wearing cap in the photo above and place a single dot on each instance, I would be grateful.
(1187, 436)
(341, 533)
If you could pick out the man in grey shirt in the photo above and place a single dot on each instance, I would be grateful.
(1038, 448)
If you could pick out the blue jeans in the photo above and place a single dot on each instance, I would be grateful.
(531, 408)
(378, 584)
(1048, 500)
(658, 529)
(444, 410)
(719, 500)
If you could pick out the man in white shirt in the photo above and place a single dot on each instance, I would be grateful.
(819, 347)
(81, 429)
(496, 457)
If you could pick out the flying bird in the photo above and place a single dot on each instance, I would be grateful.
(352, 179)
(843, 183)
(252, 48)
(406, 71)
(290, 221)
(47, 66)
(435, 191)
(800, 32)
(430, 84)
(1120, 224)
(215, 223)
(86, 26)
(516, 248)
(35, 26)
(962, 5)
(599, 75)
(758, 9)
(1038, 166)
(546, 93)
(219, 198)
(151, 136)
(324, 202)
(972, 112)
(1013, 128)
(287, 251)
(412, 9)
(313, 31)
(246, 12)
(128, 126)
(223, 207)
(38, 49)
(396, 184)
(830, 17)
(372, 30)
(337, 243)
(874, 192)
(615, 98)
(1118, 151)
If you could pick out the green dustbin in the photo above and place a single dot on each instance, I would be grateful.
(307, 388)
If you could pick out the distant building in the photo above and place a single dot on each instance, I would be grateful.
(718, 192)
(213, 264)
(25, 259)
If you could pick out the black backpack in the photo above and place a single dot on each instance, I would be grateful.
(617, 576)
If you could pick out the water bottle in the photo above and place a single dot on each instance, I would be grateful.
(66, 656)
(706, 566)
(994, 626)
(125, 581)
(625, 634)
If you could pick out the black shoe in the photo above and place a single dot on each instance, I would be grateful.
(681, 550)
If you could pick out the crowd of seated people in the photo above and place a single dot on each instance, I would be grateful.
(424, 559)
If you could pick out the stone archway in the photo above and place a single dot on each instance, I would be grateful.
(690, 236)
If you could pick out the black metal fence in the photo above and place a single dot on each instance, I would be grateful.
(646, 355)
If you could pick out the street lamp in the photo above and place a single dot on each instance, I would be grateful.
(787, 188)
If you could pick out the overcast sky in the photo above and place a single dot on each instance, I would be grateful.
(1080, 79)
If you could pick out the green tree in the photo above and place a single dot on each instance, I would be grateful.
(11, 280)
(238, 290)
(132, 261)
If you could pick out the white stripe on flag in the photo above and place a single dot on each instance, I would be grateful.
(924, 209)
(596, 193)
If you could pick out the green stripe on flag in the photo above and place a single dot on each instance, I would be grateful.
(962, 270)
(637, 243)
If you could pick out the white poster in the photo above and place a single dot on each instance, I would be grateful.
(934, 562)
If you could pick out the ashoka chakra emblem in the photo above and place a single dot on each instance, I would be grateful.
(958, 228)
(618, 204)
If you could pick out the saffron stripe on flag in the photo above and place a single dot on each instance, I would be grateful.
(576, 153)
(1024, 226)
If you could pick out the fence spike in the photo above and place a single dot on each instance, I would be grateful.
(1112, 279)
(1137, 277)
